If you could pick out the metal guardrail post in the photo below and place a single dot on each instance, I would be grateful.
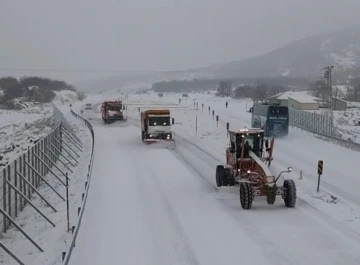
(45, 181)
(21, 230)
(72, 139)
(68, 128)
(25, 198)
(60, 154)
(52, 172)
(66, 151)
(11, 254)
(37, 192)
(72, 142)
(60, 160)
(68, 146)
(54, 164)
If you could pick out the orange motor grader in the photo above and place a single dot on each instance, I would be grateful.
(248, 159)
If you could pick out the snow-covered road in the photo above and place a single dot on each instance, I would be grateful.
(158, 206)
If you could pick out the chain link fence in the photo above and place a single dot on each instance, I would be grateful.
(49, 157)
(320, 124)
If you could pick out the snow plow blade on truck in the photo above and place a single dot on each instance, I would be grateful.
(156, 127)
(112, 111)
(248, 159)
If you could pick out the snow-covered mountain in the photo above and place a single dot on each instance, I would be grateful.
(305, 57)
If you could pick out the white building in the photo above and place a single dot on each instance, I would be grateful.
(300, 100)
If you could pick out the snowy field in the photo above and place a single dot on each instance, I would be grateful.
(161, 206)
(20, 128)
(345, 124)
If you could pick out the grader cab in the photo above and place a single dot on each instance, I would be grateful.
(248, 159)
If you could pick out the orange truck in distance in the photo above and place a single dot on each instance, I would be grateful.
(112, 111)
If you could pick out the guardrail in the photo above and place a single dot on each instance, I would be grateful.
(75, 229)
(20, 179)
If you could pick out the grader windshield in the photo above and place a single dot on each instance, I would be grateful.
(253, 141)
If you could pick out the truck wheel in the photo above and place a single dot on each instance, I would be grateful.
(142, 136)
(220, 173)
(289, 193)
(246, 195)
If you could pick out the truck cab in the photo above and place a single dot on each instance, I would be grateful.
(112, 111)
(156, 124)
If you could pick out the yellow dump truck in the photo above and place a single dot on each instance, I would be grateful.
(156, 125)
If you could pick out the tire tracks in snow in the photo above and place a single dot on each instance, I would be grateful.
(251, 228)
(150, 187)
(270, 249)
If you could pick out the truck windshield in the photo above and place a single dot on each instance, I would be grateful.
(159, 121)
(278, 111)
(114, 108)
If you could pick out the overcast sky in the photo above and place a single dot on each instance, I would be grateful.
(157, 34)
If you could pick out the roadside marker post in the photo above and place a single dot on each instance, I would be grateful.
(320, 172)
(196, 127)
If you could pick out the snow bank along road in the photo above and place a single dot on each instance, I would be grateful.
(149, 206)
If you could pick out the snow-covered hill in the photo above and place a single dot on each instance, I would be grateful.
(19, 129)
(301, 58)
(305, 57)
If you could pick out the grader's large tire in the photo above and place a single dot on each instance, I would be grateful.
(246, 195)
(220, 173)
(289, 193)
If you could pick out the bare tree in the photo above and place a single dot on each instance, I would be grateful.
(320, 89)
(224, 89)
(353, 92)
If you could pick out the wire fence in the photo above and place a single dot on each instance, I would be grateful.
(315, 122)
(49, 157)
(320, 124)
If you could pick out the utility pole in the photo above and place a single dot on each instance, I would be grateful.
(328, 77)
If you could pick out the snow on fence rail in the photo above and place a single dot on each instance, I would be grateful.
(75, 229)
(22, 178)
